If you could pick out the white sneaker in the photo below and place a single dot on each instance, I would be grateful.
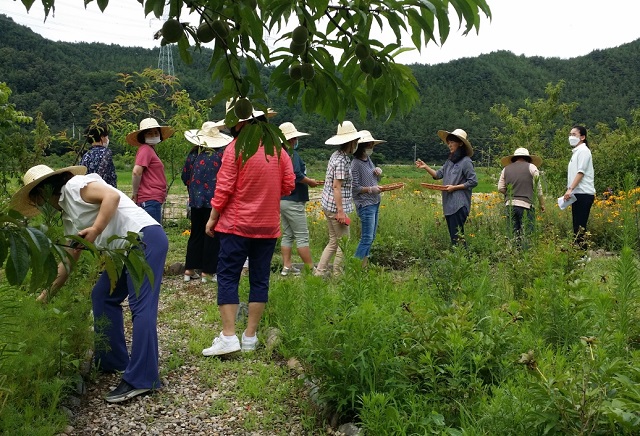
(193, 276)
(221, 346)
(210, 279)
(293, 271)
(249, 344)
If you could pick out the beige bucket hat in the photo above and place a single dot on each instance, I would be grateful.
(146, 124)
(21, 202)
(367, 137)
(521, 152)
(208, 136)
(289, 131)
(346, 133)
(460, 134)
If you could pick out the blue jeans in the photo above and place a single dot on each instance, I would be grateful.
(369, 221)
(153, 208)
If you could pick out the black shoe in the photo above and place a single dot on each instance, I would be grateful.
(124, 392)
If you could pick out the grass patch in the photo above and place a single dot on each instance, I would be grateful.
(491, 340)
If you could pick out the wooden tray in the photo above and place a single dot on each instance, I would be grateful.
(391, 186)
(434, 186)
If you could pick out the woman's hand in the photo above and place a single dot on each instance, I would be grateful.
(341, 217)
(377, 171)
(211, 223)
(90, 234)
(567, 195)
(421, 165)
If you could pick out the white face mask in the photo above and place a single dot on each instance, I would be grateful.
(105, 143)
(573, 141)
(368, 151)
(152, 139)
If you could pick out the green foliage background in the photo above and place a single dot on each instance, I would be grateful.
(605, 84)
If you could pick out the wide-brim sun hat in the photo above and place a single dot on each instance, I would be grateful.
(146, 124)
(289, 131)
(255, 114)
(347, 132)
(20, 200)
(367, 137)
(208, 136)
(460, 134)
(521, 152)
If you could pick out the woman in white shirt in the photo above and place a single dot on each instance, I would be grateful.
(96, 211)
(580, 183)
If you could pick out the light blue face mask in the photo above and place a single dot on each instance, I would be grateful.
(295, 146)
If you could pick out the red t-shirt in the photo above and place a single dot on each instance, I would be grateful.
(153, 185)
(248, 196)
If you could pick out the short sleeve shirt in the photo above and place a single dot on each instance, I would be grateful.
(581, 162)
(338, 168)
(153, 185)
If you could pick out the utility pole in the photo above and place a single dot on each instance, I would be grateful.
(73, 125)
(415, 155)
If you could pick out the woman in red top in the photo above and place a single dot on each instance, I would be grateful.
(148, 179)
(245, 214)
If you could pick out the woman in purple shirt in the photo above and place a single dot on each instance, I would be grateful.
(459, 178)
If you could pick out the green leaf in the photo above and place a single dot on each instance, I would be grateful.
(102, 4)
(19, 261)
(148, 7)
(136, 272)
(112, 271)
(27, 4)
(248, 141)
(175, 7)
(183, 48)
(158, 8)
(40, 242)
(4, 248)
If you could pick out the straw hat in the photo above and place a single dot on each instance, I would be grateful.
(460, 134)
(228, 107)
(20, 200)
(367, 137)
(289, 131)
(208, 136)
(146, 124)
(521, 152)
(346, 133)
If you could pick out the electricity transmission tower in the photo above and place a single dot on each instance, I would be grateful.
(165, 57)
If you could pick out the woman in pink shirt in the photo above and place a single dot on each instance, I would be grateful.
(148, 179)
(245, 214)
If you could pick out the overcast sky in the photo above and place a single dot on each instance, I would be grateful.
(548, 28)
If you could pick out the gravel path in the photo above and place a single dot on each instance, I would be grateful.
(187, 404)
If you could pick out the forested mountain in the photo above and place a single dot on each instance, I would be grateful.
(62, 80)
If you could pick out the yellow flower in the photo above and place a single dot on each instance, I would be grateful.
(186, 233)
